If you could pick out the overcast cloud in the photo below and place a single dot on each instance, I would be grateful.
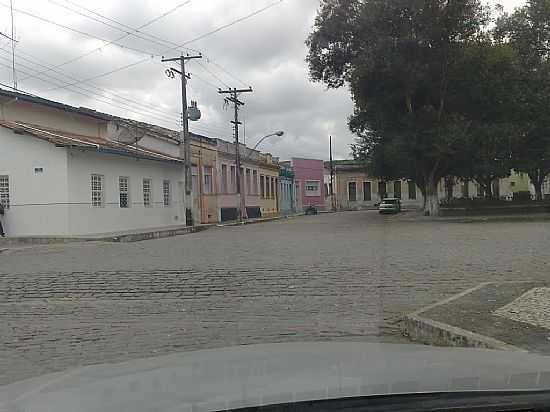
(266, 51)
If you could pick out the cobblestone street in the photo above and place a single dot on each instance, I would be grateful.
(337, 276)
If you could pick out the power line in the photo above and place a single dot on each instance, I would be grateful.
(127, 66)
(38, 62)
(124, 28)
(225, 26)
(136, 30)
(6, 36)
(213, 128)
(204, 129)
(212, 74)
(209, 60)
(115, 98)
(123, 107)
(81, 56)
(83, 33)
(195, 75)
(164, 41)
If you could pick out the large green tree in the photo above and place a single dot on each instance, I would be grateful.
(397, 56)
(527, 31)
(487, 87)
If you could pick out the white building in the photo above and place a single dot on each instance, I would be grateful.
(67, 171)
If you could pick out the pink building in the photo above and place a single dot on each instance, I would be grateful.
(309, 176)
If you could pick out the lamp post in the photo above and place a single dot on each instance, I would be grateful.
(242, 197)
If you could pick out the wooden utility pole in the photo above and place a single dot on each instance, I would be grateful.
(332, 199)
(234, 98)
(185, 139)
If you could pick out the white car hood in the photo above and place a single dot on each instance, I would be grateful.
(244, 376)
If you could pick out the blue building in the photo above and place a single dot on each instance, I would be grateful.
(287, 189)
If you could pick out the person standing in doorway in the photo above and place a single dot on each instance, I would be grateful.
(2, 234)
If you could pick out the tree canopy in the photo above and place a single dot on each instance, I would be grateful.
(436, 91)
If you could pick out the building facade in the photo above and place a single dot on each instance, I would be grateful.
(309, 180)
(287, 189)
(354, 189)
(205, 179)
(259, 182)
(68, 171)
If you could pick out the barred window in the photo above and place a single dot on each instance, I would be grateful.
(124, 191)
(262, 186)
(167, 193)
(5, 191)
(224, 179)
(147, 192)
(208, 187)
(255, 182)
(97, 191)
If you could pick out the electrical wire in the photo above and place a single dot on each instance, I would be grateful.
(34, 60)
(123, 107)
(212, 85)
(127, 102)
(82, 33)
(136, 30)
(212, 74)
(130, 65)
(225, 26)
(200, 129)
(148, 23)
(208, 59)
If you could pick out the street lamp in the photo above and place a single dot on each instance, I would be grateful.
(242, 199)
(279, 133)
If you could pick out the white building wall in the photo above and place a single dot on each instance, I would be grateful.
(51, 118)
(162, 146)
(37, 173)
(85, 219)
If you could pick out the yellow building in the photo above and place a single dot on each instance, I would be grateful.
(205, 179)
(259, 181)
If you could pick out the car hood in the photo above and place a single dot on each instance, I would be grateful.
(244, 376)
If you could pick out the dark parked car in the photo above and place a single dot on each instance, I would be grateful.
(390, 206)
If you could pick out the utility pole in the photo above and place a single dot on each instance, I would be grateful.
(234, 98)
(185, 139)
(332, 199)
(14, 73)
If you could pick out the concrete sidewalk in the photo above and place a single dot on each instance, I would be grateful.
(418, 216)
(122, 236)
(503, 315)
(125, 236)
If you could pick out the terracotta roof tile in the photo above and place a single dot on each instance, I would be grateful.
(62, 138)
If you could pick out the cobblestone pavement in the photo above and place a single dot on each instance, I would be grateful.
(336, 276)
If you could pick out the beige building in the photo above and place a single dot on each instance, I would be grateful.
(259, 182)
(354, 189)
(205, 179)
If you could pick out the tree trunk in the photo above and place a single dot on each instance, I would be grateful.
(537, 178)
(487, 186)
(431, 207)
(422, 187)
(449, 186)
(538, 191)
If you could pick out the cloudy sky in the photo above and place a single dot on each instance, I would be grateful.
(77, 64)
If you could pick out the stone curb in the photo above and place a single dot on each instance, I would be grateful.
(14, 243)
(257, 221)
(424, 330)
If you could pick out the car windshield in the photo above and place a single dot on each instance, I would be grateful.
(209, 204)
